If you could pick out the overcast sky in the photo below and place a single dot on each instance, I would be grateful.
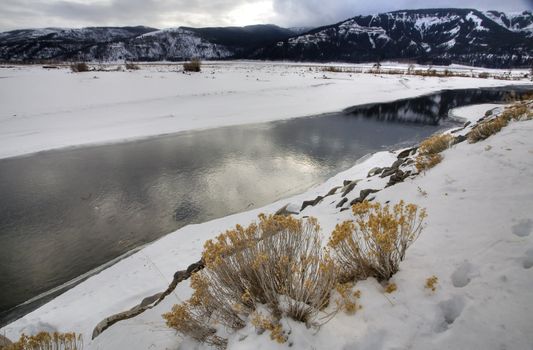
(16, 14)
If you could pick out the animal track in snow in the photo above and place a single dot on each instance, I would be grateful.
(527, 261)
(463, 274)
(523, 228)
(450, 310)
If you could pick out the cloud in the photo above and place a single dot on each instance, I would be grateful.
(171, 13)
(317, 12)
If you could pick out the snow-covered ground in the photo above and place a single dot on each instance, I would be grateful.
(478, 242)
(43, 109)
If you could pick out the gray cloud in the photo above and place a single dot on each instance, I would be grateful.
(16, 14)
(317, 12)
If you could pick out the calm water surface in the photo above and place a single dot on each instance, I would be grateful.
(63, 213)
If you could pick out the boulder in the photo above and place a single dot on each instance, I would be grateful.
(312, 203)
(374, 171)
(148, 302)
(458, 139)
(341, 203)
(407, 152)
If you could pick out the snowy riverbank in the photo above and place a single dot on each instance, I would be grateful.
(44, 109)
(478, 242)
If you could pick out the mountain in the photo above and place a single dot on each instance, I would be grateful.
(522, 22)
(431, 36)
(51, 43)
(434, 36)
(136, 43)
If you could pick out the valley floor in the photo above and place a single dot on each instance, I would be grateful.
(44, 109)
(478, 239)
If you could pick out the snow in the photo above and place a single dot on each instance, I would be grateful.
(477, 21)
(478, 241)
(63, 109)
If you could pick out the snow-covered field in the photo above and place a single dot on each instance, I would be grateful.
(43, 109)
(478, 240)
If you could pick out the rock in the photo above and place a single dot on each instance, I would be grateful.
(458, 139)
(364, 193)
(349, 188)
(406, 153)
(374, 171)
(362, 196)
(392, 169)
(285, 210)
(148, 302)
(312, 203)
(341, 203)
(399, 176)
(467, 124)
(346, 182)
(333, 190)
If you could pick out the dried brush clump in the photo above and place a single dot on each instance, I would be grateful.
(193, 65)
(429, 149)
(347, 299)
(487, 128)
(435, 144)
(521, 110)
(79, 67)
(278, 262)
(374, 244)
(426, 162)
(132, 66)
(48, 341)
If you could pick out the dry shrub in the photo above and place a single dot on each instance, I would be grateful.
(429, 149)
(266, 323)
(435, 144)
(518, 111)
(193, 65)
(332, 69)
(483, 75)
(391, 288)
(132, 66)
(431, 283)
(484, 129)
(278, 263)
(79, 67)
(374, 244)
(347, 299)
(427, 162)
(48, 341)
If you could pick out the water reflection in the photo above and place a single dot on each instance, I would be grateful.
(63, 213)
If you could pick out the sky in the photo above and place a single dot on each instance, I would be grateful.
(17, 14)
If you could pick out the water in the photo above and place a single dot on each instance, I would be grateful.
(65, 212)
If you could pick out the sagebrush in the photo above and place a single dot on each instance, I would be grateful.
(48, 341)
(277, 263)
(193, 65)
(521, 110)
(429, 149)
(79, 67)
(375, 242)
(132, 66)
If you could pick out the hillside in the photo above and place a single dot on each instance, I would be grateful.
(430, 36)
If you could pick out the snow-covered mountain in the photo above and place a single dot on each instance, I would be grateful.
(435, 36)
(516, 22)
(137, 43)
(432, 35)
(62, 43)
